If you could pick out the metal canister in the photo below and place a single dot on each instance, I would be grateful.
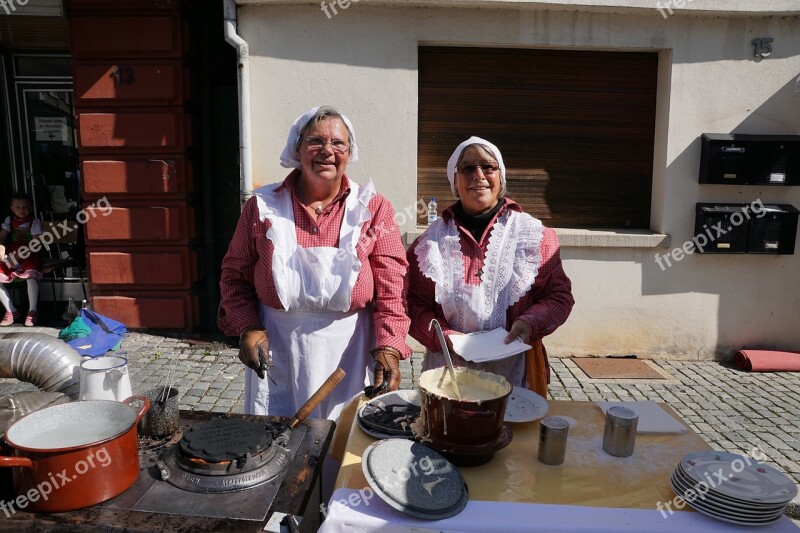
(552, 440)
(619, 435)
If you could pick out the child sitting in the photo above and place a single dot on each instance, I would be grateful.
(20, 260)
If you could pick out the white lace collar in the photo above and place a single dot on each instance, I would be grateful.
(512, 260)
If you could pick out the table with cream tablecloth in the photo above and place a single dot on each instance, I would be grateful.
(591, 491)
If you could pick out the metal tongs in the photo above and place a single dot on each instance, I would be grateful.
(264, 363)
(435, 324)
(164, 396)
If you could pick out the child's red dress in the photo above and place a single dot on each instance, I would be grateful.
(13, 266)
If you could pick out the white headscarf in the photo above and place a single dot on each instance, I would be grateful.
(451, 163)
(291, 159)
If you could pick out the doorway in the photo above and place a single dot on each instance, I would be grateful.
(43, 157)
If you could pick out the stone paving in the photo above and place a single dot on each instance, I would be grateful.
(732, 410)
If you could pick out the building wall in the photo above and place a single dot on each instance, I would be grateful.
(363, 60)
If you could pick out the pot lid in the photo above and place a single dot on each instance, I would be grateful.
(414, 479)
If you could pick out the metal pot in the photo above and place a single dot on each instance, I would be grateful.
(447, 419)
(105, 378)
(74, 455)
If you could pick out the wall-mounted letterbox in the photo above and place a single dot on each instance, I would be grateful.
(739, 159)
(722, 227)
(775, 231)
(754, 228)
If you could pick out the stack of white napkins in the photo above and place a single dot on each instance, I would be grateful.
(652, 418)
(483, 346)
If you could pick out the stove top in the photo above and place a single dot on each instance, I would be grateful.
(153, 505)
(226, 455)
(221, 468)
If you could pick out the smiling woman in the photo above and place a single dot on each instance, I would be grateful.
(507, 269)
(313, 277)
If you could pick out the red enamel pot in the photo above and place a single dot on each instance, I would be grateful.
(73, 455)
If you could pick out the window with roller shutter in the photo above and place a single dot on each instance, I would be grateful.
(575, 127)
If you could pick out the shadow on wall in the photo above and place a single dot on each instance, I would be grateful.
(756, 293)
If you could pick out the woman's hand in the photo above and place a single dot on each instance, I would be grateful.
(254, 350)
(449, 342)
(387, 367)
(519, 329)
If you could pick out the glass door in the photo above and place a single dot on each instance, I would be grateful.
(50, 155)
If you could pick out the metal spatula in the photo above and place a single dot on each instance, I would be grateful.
(435, 323)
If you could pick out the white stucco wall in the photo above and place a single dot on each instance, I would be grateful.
(364, 61)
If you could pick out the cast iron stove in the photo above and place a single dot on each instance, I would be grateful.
(226, 455)
(223, 467)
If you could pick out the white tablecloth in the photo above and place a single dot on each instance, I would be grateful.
(359, 514)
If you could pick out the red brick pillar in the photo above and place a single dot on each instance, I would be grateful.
(132, 85)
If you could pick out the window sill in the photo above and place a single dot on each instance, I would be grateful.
(586, 238)
(620, 238)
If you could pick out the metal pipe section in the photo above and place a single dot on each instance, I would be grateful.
(243, 78)
(47, 362)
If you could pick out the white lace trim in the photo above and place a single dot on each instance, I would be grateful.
(512, 261)
(440, 260)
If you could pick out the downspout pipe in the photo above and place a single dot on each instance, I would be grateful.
(243, 78)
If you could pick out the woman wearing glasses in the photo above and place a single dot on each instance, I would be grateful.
(313, 277)
(486, 264)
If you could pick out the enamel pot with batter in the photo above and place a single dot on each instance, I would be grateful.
(473, 420)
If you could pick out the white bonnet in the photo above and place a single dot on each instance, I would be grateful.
(291, 159)
(451, 163)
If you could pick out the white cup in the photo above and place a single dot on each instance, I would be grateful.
(105, 378)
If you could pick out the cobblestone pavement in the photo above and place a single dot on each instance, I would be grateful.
(732, 410)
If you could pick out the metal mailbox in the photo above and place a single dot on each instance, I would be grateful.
(775, 232)
(724, 226)
(739, 159)
(745, 228)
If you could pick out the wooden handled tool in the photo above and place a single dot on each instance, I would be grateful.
(326, 388)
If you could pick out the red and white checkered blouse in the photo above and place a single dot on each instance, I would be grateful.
(545, 307)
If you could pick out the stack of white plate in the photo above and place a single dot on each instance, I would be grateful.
(733, 488)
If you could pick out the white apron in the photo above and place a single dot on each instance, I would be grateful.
(512, 261)
(315, 332)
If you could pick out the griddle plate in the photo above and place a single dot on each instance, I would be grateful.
(225, 439)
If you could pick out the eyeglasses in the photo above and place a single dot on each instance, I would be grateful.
(316, 143)
(487, 169)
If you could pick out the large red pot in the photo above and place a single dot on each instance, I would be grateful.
(463, 422)
(74, 455)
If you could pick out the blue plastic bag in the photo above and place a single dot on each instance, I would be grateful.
(106, 334)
